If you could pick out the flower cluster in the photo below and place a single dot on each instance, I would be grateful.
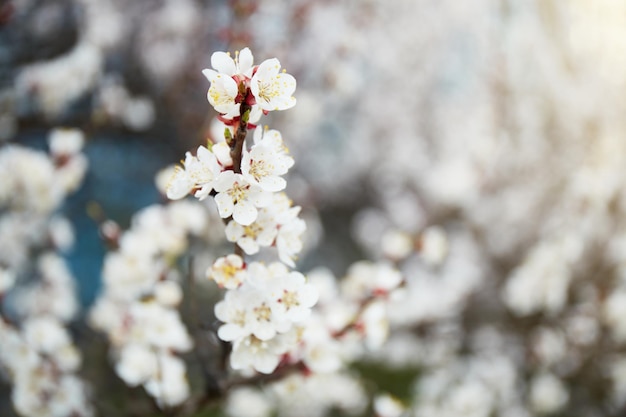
(263, 315)
(258, 214)
(138, 307)
(264, 304)
(235, 81)
(41, 362)
(37, 292)
(349, 322)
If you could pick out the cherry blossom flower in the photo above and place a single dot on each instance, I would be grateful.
(237, 197)
(225, 64)
(169, 385)
(228, 271)
(222, 94)
(137, 364)
(261, 355)
(267, 161)
(225, 78)
(250, 238)
(200, 172)
(288, 241)
(272, 89)
(233, 312)
(292, 297)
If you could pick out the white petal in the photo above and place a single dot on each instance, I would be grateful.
(233, 231)
(229, 332)
(224, 181)
(179, 185)
(249, 245)
(222, 153)
(225, 204)
(245, 61)
(268, 68)
(222, 62)
(272, 184)
(266, 363)
(209, 74)
(244, 213)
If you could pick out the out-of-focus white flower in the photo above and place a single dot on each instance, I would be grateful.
(66, 141)
(396, 244)
(261, 355)
(615, 368)
(7, 280)
(550, 346)
(540, 282)
(70, 398)
(433, 245)
(322, 352)
(228, 271)
(53, 295)
(375, 324)
(139, 113)
(248, 402)
(45, 334)
(158, 326)
(366, 278)
(387, 406)
(289, 241)
(60, 81)
(168, 293)
(325, 282)
(137, 364)
(614, 313)
(547, 394)
(67, 358)
(71, 173)
(164, 177)
(61, 233)
(169, 385)
(316, 394)
(582, 329)
(34, 175)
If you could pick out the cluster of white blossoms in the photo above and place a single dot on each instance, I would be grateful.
(258, 213)
(267, 308)
(264, 314)
(349, 322)
(36, 350)
(264, 306)
(246, 191)
(41, 362)
(235, 81)
(137, 308)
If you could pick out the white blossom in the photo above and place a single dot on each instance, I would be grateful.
(228, 271)
(547, 394)
(237, 197)
(273, 89)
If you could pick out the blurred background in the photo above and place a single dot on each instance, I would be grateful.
(500, 123)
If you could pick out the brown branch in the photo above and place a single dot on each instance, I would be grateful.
(236, 150)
